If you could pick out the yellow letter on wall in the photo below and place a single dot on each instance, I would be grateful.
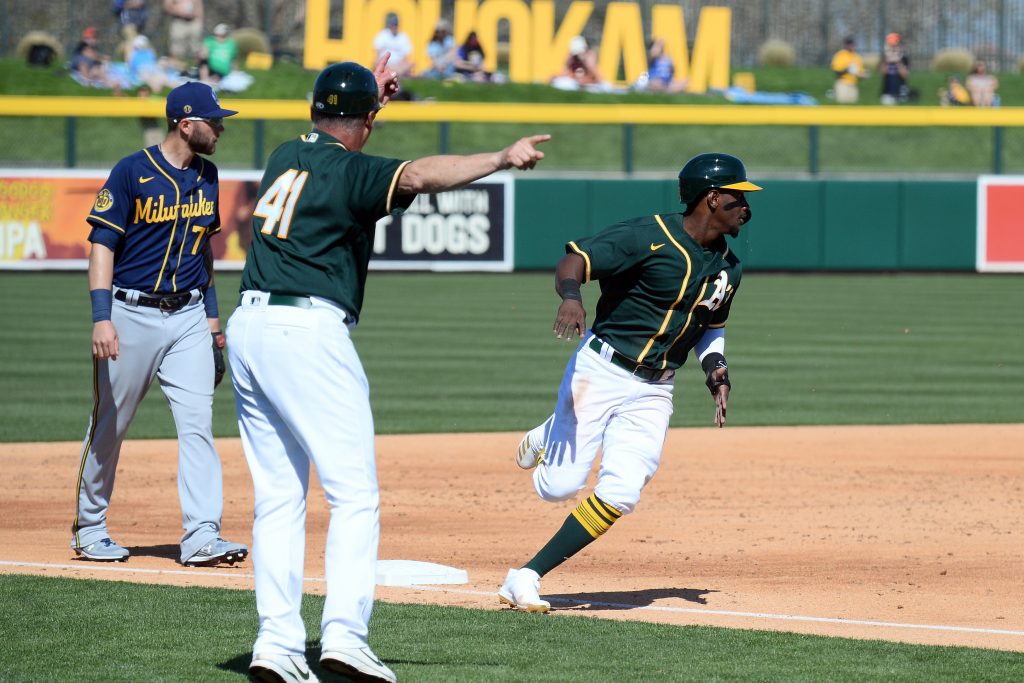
(320, 50)
(550, 49)
(709, 65)
(623, 37)
(520, 48)
(667, 23)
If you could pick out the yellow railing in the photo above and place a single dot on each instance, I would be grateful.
(518, 112)
(626, 115)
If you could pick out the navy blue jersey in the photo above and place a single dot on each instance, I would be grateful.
(156, 219)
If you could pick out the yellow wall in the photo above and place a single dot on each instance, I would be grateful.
(537, 47)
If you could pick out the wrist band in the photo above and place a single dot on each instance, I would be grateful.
(570, 289)
(210, 302)
(711, 362)
(102, 301)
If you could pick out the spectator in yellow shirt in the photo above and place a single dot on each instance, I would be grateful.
(849, 69)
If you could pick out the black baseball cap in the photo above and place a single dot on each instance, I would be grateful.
(195, 99)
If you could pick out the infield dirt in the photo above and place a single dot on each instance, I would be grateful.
(916, 529)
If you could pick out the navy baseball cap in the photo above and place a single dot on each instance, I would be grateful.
(195, 99)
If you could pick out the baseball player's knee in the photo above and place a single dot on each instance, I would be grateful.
(622, 499)
(555, 489)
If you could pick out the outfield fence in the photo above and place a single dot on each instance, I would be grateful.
(625, 139)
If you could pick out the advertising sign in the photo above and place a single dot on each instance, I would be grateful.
(1000, 224)
(42, 224)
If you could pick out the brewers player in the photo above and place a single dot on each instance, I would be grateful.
(301, 392)
(667, 284)
(154, 309)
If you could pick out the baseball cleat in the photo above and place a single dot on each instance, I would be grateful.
(281, 669)
(528, 455)
(358, 663)
(105, 550)
(216, 552)
(521, 590)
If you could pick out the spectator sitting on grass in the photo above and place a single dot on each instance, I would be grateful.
(848, 67)
(469, 60)
(895, 68)
(661, 70)
(954, 94)
(218, 56)
(88, 67)
(982, 86)
(441, 51)
(580, 70)
(144, 67)
(390, 39)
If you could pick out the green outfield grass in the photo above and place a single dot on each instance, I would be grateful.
(65, 629)
(474, 352)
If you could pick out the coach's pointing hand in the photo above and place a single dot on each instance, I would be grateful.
(523, 153)
(387, 80)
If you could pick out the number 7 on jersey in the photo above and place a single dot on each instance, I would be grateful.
(278, 203)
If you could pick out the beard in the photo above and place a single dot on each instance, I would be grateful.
(202, 141)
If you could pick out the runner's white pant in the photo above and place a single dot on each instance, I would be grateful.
(302, 397)
(602, 407)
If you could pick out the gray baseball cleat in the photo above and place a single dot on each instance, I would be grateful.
(216, 552)
(104, 550)
(281, 669)
(529, 454)
(358, 663)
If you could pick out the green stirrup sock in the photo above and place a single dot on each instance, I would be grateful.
(590, 519)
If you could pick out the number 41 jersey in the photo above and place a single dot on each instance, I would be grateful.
(314, 221)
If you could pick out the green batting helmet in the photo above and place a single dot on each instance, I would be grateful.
(712, 170)
(345, 89)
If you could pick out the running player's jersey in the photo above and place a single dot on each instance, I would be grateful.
(314, 221)
(160, 217)
(660, 290)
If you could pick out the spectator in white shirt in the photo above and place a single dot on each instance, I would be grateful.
(390, 39)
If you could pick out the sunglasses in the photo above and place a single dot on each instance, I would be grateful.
(217, 121)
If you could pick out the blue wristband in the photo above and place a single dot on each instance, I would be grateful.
(210, 302)
(102, 301)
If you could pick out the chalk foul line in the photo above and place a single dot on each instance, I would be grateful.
(768, 616)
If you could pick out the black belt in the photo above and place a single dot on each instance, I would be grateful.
(629, 365)
(290, 300)
(167, 303)
(286, 300)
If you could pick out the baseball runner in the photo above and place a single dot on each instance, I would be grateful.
(667, 283)
(154, 309)
(299, 385)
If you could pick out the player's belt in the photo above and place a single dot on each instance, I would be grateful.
(286, 300)
(628, 364)
(167, 303)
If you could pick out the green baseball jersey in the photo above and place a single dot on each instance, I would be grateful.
(660, 290)
(314, 221)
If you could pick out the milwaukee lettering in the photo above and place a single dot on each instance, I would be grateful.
(161, 212)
